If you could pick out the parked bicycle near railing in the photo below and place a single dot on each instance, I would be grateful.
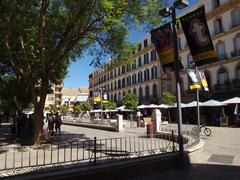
(207, 131)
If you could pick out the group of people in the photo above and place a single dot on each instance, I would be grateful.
(53, 121)
(21, 125)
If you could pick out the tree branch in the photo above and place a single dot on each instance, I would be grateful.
(75, 40)
(14, 64)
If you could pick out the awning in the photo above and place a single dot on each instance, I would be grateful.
(213, 103)
(193, 104)
(235, 100)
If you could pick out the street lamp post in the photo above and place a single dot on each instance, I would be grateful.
(179, 4)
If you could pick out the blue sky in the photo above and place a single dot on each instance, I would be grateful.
(78, 71)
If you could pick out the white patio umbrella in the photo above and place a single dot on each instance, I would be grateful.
(120, 108)
(213, 103)
(142, 106)
(235, 100)
(152, 106)
(192, 104)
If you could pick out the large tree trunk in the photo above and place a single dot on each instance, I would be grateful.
(38, 113)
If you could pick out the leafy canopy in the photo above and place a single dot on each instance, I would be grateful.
(109, 105)
(130, 101)
(168, 98)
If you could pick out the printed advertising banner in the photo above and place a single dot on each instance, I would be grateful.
(162, 40)
(197, 34)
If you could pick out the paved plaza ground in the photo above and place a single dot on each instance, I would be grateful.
(219, 158)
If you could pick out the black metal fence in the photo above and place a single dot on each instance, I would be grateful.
(22, 159)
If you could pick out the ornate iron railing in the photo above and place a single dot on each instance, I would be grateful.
(29, 159)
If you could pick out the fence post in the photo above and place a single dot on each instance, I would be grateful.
(95, 150)
(173, 141)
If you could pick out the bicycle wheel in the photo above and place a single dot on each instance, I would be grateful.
(207, 131)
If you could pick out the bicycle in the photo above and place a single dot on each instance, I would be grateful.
(207, 131)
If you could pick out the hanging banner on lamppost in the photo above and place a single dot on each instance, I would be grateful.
(197, 34)
(162, 40)
(203, 80)
(97, 96)
(194, 81)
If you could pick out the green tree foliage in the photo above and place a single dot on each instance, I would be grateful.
(64, 109)
(40, 38)
(86, 106)
(168, 98)
(53, 109)
(130, 101)
(109, 105)
(77, 108)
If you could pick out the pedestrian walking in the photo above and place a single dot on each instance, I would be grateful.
(58, 123)
(50, 124)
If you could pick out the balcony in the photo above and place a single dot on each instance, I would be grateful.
(235, 53)
(236, 84)
(218, 31)
(221, 57)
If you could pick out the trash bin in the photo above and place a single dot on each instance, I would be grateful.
(150, 130)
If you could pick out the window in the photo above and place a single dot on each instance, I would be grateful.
(147, 95)
(237, 46)
(115, 73)
(216, 3)
(190, 61)
(153, 55)
(146, 75)
(146, 59)
(111, 74)
(140, 77)
(123, 69)
(140, 92)
(134, 64)
(119, 83)
(124, 94)
(139, 61)
(236, 17)
(123, 82)
(115, 97)
(238, 72)
(115, 84)
(134, 91)
(222, 76)
(154, 72)
(119, 71)
(220, 51)
(139, 47)
(218, 26)
(134, 79)
(119, 96)
(145, 43)
(154, 91)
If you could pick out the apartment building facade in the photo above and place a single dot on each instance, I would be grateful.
(145, 78)
(141, 78)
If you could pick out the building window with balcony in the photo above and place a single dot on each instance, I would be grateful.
(146, 75)
(190, 61)
(145, 43)
(147, 93)
(134, 91)
(238, 72)
(146, 59)
(140, 92)
(139, 47)
(123, 69)
(154, 91)
(139, 61)
(236, 51)
(119, 83)
(140, 79)
(119, 96)
(134, 64)
(123, 82)
(218, 26)
(216, 3)
(222, 76)
(153, 55)
(220, 51)
(236, 17)
(154, 72)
